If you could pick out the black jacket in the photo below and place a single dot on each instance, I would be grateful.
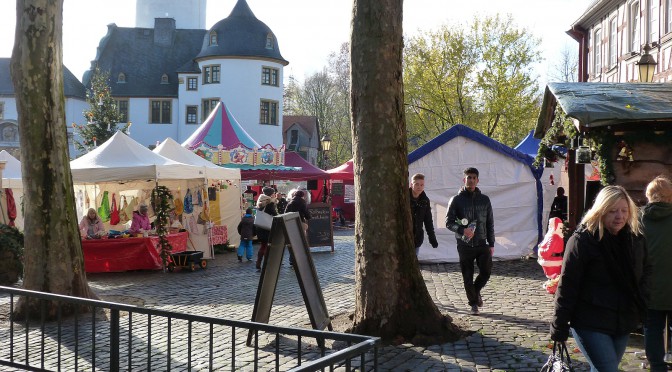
(422, 214)
(269, 205)
(298, 204)
(595, 292)
(246, 227)
(472, 206)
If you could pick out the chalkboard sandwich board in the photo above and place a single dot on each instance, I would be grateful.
(320, 227)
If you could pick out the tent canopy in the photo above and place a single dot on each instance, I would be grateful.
(529, 145)
(305, 171)
(220, 128)
(11, 175)
(507, 177)
(121, 158)
(170, 149)
(602, 104)
(345, 171)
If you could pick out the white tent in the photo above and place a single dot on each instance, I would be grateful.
(122, 159)
(228, 198)
(125, 168)
(506, 177)
(11, 179)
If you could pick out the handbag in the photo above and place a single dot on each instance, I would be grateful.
(559, 361)
(114, 216)
(263, 220)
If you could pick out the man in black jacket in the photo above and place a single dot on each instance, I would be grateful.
(470, 217)
(421, 212)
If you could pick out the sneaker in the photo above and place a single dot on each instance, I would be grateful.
(480, 301)
(240, 258)
(474, 310)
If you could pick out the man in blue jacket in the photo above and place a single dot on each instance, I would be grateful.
(470, 217)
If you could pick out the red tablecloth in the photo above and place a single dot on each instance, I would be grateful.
(124, 254)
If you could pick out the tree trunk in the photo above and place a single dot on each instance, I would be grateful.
(54, 261)
(391, 299)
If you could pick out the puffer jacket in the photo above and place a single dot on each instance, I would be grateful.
(594, 292)
(246, 227)
(472, 206)
(657, 222)
(269, 205)
(422, 215)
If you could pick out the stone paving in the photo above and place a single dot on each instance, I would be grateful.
(510, 333)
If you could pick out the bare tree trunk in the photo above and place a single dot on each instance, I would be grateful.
(54, 261)
(391, 299)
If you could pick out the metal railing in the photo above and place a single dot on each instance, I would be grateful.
(113, 337)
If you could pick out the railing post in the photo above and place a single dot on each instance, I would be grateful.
(114, 340)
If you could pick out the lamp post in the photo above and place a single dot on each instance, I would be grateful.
(647, 66)
(326, 146)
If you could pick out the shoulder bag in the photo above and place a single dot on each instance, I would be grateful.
(263, 220)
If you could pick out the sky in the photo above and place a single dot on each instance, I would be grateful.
(309, 30)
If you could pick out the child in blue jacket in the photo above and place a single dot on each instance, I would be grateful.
(247, 231)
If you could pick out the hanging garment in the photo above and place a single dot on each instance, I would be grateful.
(11, 206)
(212, 193)
(192, 226)
(179, 207)
(114, 216)
(200, 198)
(123, 217)
(88, 201)
(130, 207)
(104, 209)
(188, 205)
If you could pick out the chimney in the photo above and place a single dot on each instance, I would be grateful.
(164, 31)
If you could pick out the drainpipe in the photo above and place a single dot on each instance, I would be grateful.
(581, 36)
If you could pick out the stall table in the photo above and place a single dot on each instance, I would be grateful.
(125, 254)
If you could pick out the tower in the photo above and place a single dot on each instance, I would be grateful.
(188, 14)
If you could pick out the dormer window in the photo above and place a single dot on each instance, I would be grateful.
(213, 38)
(121, 78)
(269, 41)
(164, 79)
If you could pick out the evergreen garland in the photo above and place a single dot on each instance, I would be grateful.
(11, 240)
(102, 116)
(561, 131)
(162, 205)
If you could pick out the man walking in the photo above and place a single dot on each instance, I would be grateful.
(421, 213)
(470, 217)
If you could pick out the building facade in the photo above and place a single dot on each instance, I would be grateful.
(168, 78)
(612, 35)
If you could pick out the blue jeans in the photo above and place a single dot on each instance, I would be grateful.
(655, 338)
(603, 351)
(246, 247)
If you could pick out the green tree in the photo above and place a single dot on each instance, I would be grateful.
(479, 76)
(391, 298)
(102, 116)
(54, 261)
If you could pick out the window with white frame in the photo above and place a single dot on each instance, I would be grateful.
(668, 16)
(208, 105)
(122, 107)
(633, 24)
(159, 111)
(652, 21)
(597, 52)
(268, 112)
(613, 42)
(269, 76)
(192, 115)
(211, 74)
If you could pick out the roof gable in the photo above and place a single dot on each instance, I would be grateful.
(72, 87)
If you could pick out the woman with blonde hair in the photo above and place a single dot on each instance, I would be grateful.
(91, 226)
(657, 224)
(604, 280)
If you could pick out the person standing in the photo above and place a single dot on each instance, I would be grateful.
(268, 203)
(559, 206)
(421, 212)
(657, 224)
(470, 217)
(247, 230)
(298, 204)
(603, 283)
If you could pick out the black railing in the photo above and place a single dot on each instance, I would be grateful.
(113, 337)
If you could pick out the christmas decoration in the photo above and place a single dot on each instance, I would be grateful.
(102, 116)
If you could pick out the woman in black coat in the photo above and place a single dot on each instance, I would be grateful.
(604, 280)
(268, 203)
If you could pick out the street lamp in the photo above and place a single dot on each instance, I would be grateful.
(647, 66)
(326, 146)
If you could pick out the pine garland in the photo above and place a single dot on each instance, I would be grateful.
(161, 203)
(561, 128)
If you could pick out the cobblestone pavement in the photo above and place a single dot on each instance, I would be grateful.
(510, 334)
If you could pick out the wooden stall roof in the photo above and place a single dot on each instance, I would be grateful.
(602, 104)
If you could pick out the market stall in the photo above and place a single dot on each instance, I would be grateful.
(126, 254)
(121, 173)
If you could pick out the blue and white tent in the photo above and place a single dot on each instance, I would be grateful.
(529, 145)
(507, 176)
